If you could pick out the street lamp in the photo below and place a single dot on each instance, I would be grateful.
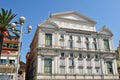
(13, 25)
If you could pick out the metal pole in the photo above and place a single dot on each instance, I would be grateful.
(18, 57)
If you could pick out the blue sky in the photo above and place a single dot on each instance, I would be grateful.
(104, 12)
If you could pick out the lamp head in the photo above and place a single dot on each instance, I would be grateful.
(29, 28)
(13, 25)
(22, 19)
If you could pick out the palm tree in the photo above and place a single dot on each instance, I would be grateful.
(6, 17)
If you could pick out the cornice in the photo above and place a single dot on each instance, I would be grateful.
(74, 50)
(79, 21)
(56, 15)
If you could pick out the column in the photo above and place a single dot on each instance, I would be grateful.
(90, 43)
(66, 41)
(93, 65)
(67, 65)
(103, 68)
(58, 65)
(84, 66)
(53, 39)
(43, 39)
(39, 64)
(55, 63)
(53, 67)
(56, 39)
(76, 66)
(115, 67)
(101, 46)
(111, 45)
(83, 43)
(40, 38)
(42, 65)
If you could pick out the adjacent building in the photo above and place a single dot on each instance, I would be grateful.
(67, 46)
(118, 58)
(8, 58)
(21, 71)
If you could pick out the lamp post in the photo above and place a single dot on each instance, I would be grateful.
(13, 25)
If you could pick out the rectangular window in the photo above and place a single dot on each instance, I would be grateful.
(70, 37)
(106, 44)
(3, 61)
(87, 46)
(87, 39)
(94, 39)
(15, 45)
(70, 44)
(80, 55)
(71, 62)
(95, 46)
(109, 67)
(61, 36)
(4, 44)
(48, 40)
(12, 61)
(48, 66)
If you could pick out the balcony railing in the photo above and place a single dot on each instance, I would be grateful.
(8, 67)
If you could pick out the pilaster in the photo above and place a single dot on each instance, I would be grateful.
(76, 66)
(39, 63)
(42, 65)
(55, 63)
(53, 67)
(84, 66)
(67, 65)
(115, 67)
(93, 65)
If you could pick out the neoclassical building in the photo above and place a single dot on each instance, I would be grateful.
(67, 46)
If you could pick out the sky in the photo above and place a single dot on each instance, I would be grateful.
(104, 12)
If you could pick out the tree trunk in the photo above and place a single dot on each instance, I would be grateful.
(1, 42)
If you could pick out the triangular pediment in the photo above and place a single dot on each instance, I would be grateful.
(49, 25)
(105, 30)
(72, 15)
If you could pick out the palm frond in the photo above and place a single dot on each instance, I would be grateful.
(5, 18)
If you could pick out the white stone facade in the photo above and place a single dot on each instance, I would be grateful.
(67, 46)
